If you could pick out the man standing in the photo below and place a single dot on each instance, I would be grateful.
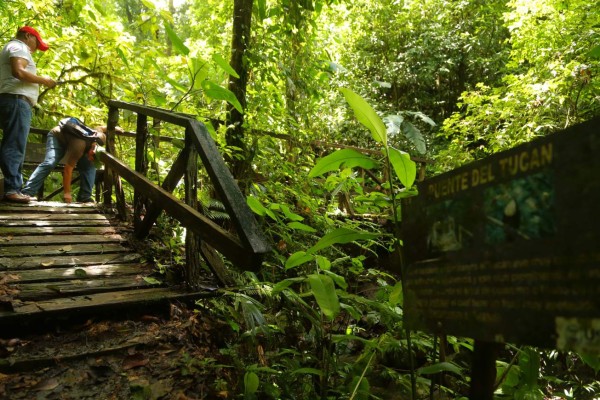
(19, 89)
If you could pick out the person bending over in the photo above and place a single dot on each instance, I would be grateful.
(76, 152)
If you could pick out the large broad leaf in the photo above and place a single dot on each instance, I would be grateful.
(251, 383)
(366, 115)
(298, 258)
(324, 291)
(346, 157)
(413, 134)
(176, 41)
(595, 52)
(217, 92)
(405, 168)
(221, 62)
(340, 236)
(257, 207)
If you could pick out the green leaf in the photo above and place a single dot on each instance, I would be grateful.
(297, 259)
(221, 62)
(592, 360)
(324, 291)
(405, 168)
(413, 134)
(149, 5)
(256, 206)
(301, 227)
(396, 294)
(340, 236)
(366, 115)
(311, 371)
(284, 284)
(251, 383)
(217, 92)
(440, 367)
(323, 263)
(595, 52)
(175, 40)
(337, 279)
(346, 157)
(80, 272)
(289, 214)
(152, 281)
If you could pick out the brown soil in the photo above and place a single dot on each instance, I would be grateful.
(172, 356)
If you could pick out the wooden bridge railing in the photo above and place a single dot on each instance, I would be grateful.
(244, 250)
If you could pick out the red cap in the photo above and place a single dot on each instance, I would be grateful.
(41, 45)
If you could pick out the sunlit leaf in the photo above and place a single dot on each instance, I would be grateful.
(217, 92)
(405, 168)
(340, 236)
(366, 115)
(348, 158)
(221, 62)
(175, 40)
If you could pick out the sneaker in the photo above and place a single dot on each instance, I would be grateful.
(17, 198)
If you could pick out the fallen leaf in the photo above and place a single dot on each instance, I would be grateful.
(48, 384)
(47, 263)
(66, 248)
(134, 360)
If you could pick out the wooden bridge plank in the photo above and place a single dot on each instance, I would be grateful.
(76, 273)
(80, 260)
(55, 230)
(52, 290)
(61, 239)
(61, 249)
(96, 301)
(23, 224)
(52, 217)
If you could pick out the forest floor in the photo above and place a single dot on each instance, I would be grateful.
(172, 355)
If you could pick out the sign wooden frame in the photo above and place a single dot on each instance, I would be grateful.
(507, 249)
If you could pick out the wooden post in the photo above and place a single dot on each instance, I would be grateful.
(113, 119)
(141, 165)
(483, 370)
(192, 241)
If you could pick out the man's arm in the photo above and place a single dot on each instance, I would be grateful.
(18, 70)
(67, 176)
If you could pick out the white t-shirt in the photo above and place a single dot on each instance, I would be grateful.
(10, 84)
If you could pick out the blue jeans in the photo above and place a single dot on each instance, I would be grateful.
(15, 121)
(55, 151)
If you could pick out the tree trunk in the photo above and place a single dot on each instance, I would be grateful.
(242, 19)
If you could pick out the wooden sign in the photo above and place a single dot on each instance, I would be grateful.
(507, 249)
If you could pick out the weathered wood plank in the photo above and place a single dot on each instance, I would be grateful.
(15, 223)
(77, 272)
(52, 217)
(51, 290)
(61, 249)
(96, 301)
(55, 230)
(35, 207)
(61, 239)
(26, 263)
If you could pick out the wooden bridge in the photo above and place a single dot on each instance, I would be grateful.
(59, 260)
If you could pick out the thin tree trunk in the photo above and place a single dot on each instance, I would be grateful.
(242, 20)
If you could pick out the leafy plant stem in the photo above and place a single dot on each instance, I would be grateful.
(398, 251)
(362, 375)
(507, 370)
